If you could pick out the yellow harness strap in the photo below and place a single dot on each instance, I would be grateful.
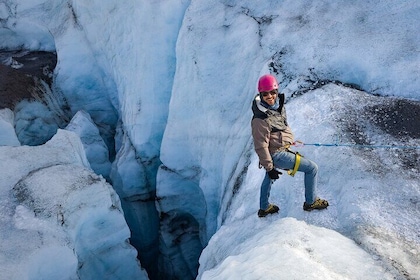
(296, 167)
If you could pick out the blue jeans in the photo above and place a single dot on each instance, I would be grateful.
(286, 160)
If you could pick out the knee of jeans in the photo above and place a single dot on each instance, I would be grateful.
(314, 168)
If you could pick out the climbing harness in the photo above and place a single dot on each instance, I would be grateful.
(298, 156)
(297, 163)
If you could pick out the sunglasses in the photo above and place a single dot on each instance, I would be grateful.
(266, 93)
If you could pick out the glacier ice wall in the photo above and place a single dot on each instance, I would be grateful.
(197, 175)
(144, 36)
(8, 135)
(61, 220)
(94, 146)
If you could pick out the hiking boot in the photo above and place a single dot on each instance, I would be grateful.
(318, 204)
(270, 210)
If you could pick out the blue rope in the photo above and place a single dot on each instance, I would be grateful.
(361, 146)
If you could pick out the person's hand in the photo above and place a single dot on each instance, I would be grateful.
(273, 174)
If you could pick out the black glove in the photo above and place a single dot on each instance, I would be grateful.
(273, 174)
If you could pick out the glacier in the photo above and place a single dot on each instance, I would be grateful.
(159, 95)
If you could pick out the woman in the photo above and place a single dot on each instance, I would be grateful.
(272, 139)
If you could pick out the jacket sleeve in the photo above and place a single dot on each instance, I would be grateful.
(261, 135)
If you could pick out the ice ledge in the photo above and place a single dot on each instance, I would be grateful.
(276, 248)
